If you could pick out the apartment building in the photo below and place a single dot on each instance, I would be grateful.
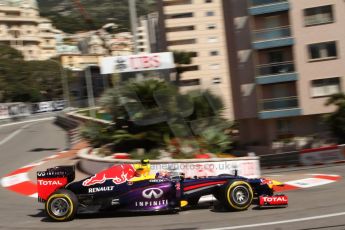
(22, 28)
(287, 58)
(198, 26)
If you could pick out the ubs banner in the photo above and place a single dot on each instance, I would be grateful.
(137, 63)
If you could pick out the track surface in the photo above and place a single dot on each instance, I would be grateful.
(41, 139)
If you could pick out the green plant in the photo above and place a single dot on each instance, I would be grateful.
(336, 120)
(215, 140)
(96, 134)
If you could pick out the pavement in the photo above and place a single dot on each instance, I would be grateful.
(319, 207)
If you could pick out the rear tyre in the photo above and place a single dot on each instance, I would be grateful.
(62, 205)
(193, 201)
(238, 195)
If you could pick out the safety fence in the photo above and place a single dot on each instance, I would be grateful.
(306, 157)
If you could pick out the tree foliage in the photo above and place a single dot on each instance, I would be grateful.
(336, 120)
(28, 81)
(66, 16)
(153, 114)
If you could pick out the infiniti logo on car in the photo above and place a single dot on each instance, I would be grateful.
(151, 193)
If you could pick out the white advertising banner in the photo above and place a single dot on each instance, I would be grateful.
(137, 63)
(4, 111)
(246, 168)
(321, 155)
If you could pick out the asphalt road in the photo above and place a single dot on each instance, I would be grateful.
(320, 207)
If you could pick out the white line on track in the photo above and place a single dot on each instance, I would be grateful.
(28, 121)
(282, 221)
(15, 133)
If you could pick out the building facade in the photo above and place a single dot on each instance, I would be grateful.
(287, 58)
(198, 26)
(22, 28)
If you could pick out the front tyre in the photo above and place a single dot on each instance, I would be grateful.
(62, 205)
(238, 195)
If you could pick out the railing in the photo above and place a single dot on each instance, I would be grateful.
(275, 68)
(272, 33)
(279, 103)
(254, 3)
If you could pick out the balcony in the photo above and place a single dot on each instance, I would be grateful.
(279, 107)
(272, 37)
(258, 7)
(275, 73)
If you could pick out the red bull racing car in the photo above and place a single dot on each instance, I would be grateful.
(131, 188)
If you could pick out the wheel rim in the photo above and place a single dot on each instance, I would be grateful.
(240, 195)
(59, 207)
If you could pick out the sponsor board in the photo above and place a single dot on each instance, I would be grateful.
(4, 111)
(135, 63)
(247, 168)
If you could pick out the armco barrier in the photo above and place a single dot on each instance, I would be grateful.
(288, 159)
(322, 155)
(246, 166)
(66, 122)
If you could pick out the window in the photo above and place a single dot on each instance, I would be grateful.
(177, 2)
(325, 87)
(182, 42)
(209, 13)
(322, 50)
(180, 28)
(183, 15)
(212, 39)
(211, 26)
(208, 1)
(318, 15)
(216, 80)
(191, 82)
(214, 53)
(214, 66)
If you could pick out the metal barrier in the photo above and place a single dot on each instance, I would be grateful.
(280, 159)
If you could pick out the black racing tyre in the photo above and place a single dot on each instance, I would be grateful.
(193, 201)
(238, 195)
(62, 205)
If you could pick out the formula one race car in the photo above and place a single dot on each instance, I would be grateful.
(130, 188)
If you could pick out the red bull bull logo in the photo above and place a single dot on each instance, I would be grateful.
(118, 174)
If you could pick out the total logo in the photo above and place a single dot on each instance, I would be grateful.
(47, 182)
(275, 199)
(152, 193)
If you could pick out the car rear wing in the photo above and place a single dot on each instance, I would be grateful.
(53, 179)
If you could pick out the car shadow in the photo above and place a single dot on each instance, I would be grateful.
(43, 149)
(100, 215)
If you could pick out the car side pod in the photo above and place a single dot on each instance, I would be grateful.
(276, 201)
